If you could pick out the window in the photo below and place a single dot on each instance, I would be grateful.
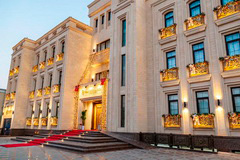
(98, 76)
(53, 51)
(236, 99)
(224, 2)
(171, 59)
(39, 110)
(103, 19)
(45, 56)
(57, 108)
(42, 82)
(124, 31)
(198, 53)
(202, 102)
(50, 80)
(48, 109)
(123, 77)
(109, 16)
(169, 20)
(233, 44)
(63, 46)
(195, 8)
(37, 59)
(122, 124)
(34, 84)
(96, 23)
(103, 45)
(60, 78)
(173, 104)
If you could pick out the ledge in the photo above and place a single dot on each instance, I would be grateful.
(228, 19)
(195, 30)
(201, 78)
(231, 73)
(168, 39)
(170, 83)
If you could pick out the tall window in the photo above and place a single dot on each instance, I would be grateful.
(203, 102)
(236, 99)
(233, 44)
(96, 23)
(39, 110)
(60, 78)
(34, 84)
(195, 8)
(53, 51)
(42, 81)
(169, 20)
(124, 32)
(173, 104)
(50, 80)
(224, 2)
(57, 108)
(103, 17)
(198, 53)
(48, 108)
(122, 124)
(63, 46)
(45, 56)
(123, 77)
(109, 16)
(171, 59)
(37, 59)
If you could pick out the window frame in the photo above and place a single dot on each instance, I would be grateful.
(167, 58)
(193, 52)
(123, 111)
(165, 19)
(233, 96)
(198, 109)
(169, 102)
(123, 70)
(226, 43)
(190, 9)
(124, 32)
(226, 3)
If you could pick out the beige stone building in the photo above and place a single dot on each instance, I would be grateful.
(164, 66)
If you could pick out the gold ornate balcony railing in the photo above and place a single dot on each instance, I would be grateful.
(230, 62)
(39, 93)
(198, 69)
(35, 68)
(234, 120)
(169, 74)
(194, 22)
(59, 57)
(12, 95)
(168, 31)
(42, 65)
(8, 110)
(50, 61)
(54, 121)
(8, 97)
(31, 94)
(227, 10)
(44, 121)
(172, 121)
(16, 70)
(47, 90)
(56, 88)
(101, 57)
(36, 121)
(29, 121)
(203, 120)
(11, 73)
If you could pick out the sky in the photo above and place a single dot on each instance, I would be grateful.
(32, 19)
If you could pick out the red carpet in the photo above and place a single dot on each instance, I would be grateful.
(36, 142)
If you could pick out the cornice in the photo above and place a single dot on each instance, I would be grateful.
(23, 40)
(121, 7)
(100, 9)
(93, 3)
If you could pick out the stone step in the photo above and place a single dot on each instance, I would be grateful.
(94, 135)
(89, 138)
(18, 140)
(91, 141)
(40, 136)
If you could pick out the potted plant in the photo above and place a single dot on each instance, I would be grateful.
(83, 117)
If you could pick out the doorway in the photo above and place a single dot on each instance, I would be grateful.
(6, 126)
(96, 118)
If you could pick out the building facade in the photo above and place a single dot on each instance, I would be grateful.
(164, 66)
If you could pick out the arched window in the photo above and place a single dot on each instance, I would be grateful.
(224, 2)
(195, 8)
(169, 20)
(63, 46)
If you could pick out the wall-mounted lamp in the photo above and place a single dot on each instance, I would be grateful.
(94, 50)
(218, 102)
(184, 104)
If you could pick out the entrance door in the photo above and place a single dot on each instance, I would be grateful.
(6, 126)
(97, 111)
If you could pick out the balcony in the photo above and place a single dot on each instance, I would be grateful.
(8, 97)
(42, 65)
(56, 88)
(35, 68)
(8, 110)
(35, 121)
(167, 32)
(50, 61)
(47, 90)
(198, 69)
(203, 120)
(29, 121)
(31, 94)
(101, 57)
(227, 10)
(16, 70)
(194, 22)
(59, 57)
(54, 121)
(44, 121)
(172, 121)
(234, 120)
(11, 73)
(230, 62)
(12, 95)
(169, 74)
(39, 93)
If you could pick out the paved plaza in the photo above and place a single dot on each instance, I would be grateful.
(47, 153)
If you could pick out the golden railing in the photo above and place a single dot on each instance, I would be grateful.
(230, 62)
(35, 68)
(54, 121)
(36, 121)
(11, 73)
(39, 93)
(234, 120)
(59, 57)
(172, 121)
(100, 57)
(42, 65)
(8, 97)
(12, 95)
(168, 31)
(44, 121)
(227, 10)
(56, 88)
(203, 120)
(50, 61)
(7, 110)
(31, 94)
(47, 90)
(16, 70)
(29, 121)
(198, 69)
(194, 22)
(169, 74)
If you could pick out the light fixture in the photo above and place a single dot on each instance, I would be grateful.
(218, 102)
(184, 104)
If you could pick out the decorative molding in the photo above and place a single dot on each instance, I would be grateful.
(198, 79)
(99, 9)
(170, 83)
(195, 30)
(125, 5)
(230, 74)
(228, 19)
(167, 40)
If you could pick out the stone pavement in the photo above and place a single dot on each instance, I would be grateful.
(47, 153)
